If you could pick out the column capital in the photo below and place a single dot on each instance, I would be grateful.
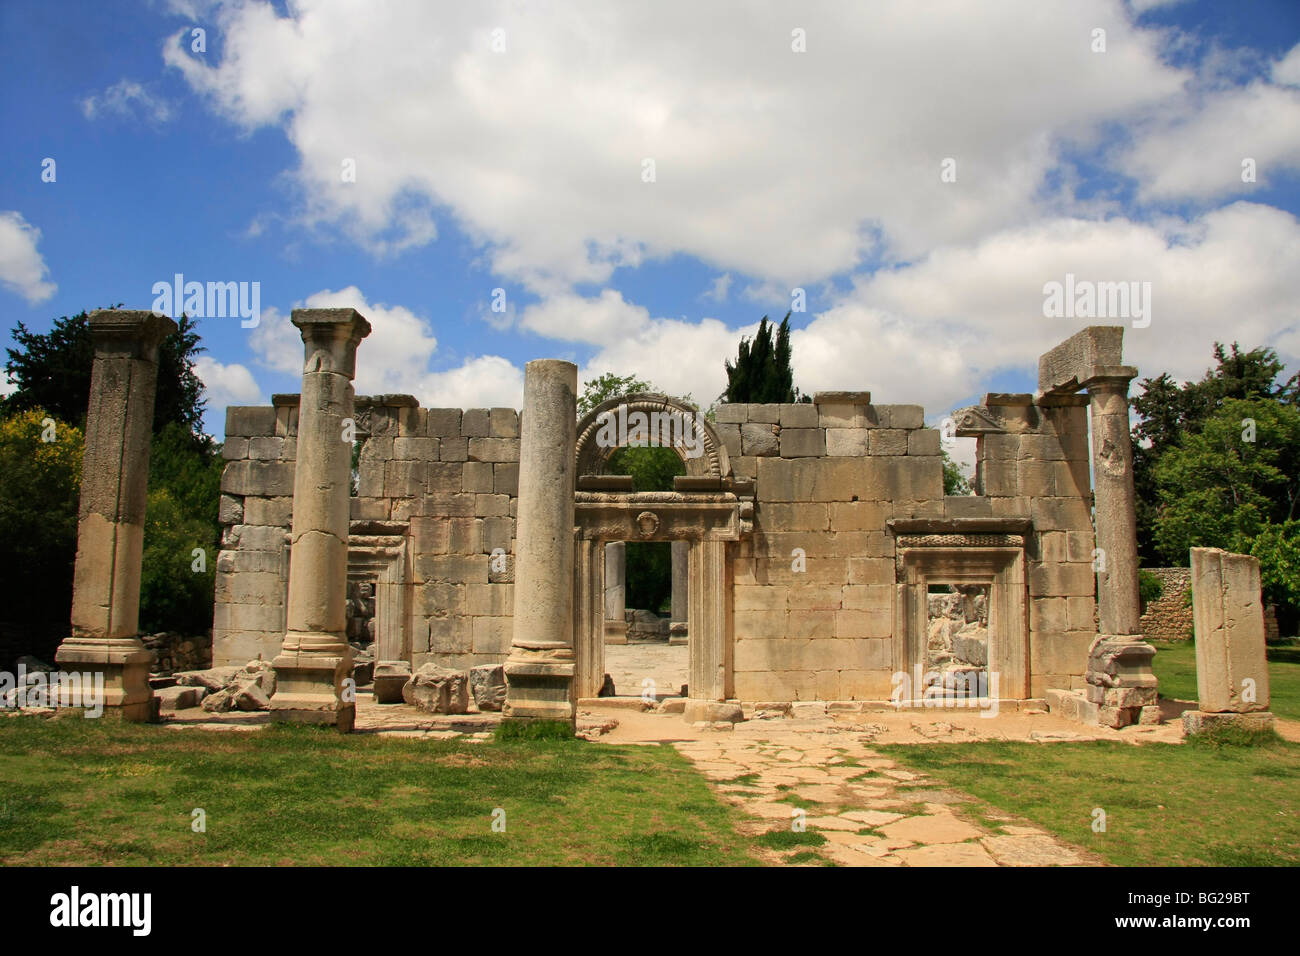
(1109, 378)
(130, 333)
(331, 337)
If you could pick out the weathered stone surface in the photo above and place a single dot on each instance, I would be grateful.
(802, 442)
(1072, 363)
(758, 438)
(179, 698)
(248, 695)
(488, 685)
(219, 702)
(1198, 721)
(712, 712)
(438, 690)
(1228, 616)
(213, 679)
(541, 668)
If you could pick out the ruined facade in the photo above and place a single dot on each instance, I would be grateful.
(809, 535)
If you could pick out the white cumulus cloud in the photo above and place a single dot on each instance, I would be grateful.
(22, 268)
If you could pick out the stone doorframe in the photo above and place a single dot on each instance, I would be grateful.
(994, 559)
(383, 558)
(710, 522)
(379, 552)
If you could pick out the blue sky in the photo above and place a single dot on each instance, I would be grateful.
(504, 146)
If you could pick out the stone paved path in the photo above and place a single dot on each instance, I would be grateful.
(871, 811)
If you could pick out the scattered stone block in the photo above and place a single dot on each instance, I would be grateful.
(488, 685)
(438, 690)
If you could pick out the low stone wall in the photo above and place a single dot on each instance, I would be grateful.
(1169, 618)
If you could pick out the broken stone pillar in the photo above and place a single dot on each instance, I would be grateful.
(110, 527)
(1231, 659)
(681, 587)
(1120, 681)
(540, 669)
(1114, 504)
(615, 592)
(316, 658)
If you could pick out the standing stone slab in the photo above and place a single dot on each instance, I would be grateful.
(615, 592)
(110, 528)
(316, 658)
(541, 666)
(681, 592)
(1228, 619)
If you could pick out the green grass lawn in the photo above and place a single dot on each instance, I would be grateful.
(1175, 666)
(1195, 804)
(77, 791)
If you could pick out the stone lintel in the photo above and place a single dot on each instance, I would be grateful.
(606, 483)
(1061, 399)
(1014, 399)
(841, 397)
(622, 519)
(898, 526)
(388, 401)
(697, 483)
(286, 399)
(1067, 366)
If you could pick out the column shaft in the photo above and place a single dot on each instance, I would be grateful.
(540, 669)
(316, 658)
(1116, 517)
(114, 492)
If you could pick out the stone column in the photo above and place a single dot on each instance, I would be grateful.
(316, 658)
(677, 629)
(1119, 678)
(110, 528)
(540, 669)
(615, 592)
(1113, 496)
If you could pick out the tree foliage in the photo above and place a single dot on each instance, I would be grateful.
(52, 372)
(40, 483)
(1217, 464)
(762, 372)
(1167, 413)
(954, 482)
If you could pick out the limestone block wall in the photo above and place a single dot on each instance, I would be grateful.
(444, 479)
(248, 620)
(1035, 465)
(1169, 617)
(814, 584)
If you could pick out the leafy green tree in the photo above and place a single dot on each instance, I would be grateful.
(40, 483)
(762, 372)
(954, 482)
(1168, 413)
(53, 372)
(1224, 482)
(1278, 548)
(601, 389)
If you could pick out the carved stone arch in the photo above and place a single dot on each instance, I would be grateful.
(593, 456)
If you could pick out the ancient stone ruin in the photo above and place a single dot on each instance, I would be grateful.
(481, 555)
(1231, 660)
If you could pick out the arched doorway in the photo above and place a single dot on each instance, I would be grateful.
(707, 509)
